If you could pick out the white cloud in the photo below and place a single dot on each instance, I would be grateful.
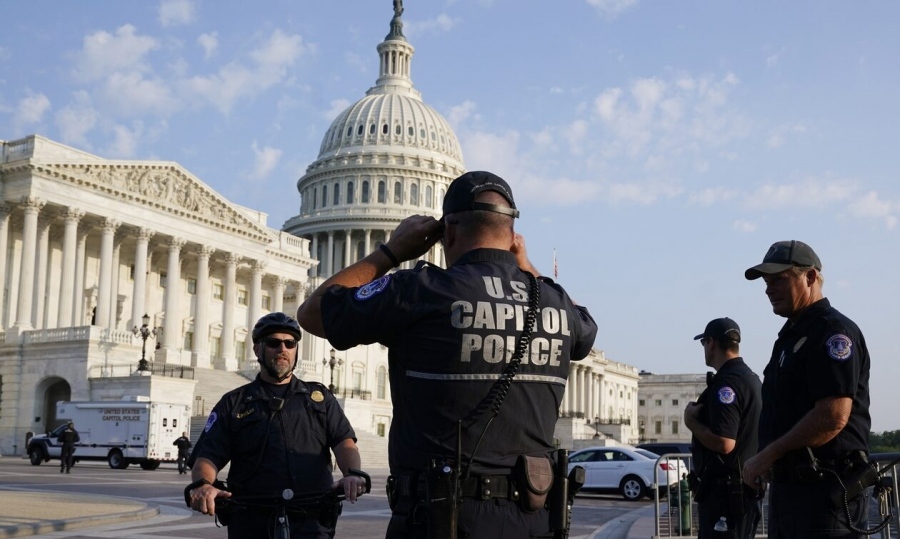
(711, 196)
(778, 135)
(459, 114)
(133, 95)
(30, 110)
(667, 118)
(810, 193)
(209, 42)
(643, 193)
(744, 226)
(234, 81)
(774, 58)
(441, 23)
(556, 90)
(74, 121)
(266, 160)
(174, 12)
(871, 205)
(611, 7)
(336, 107)
(125, 141)
(103, 53)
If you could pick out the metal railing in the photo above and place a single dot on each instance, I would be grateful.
(668, 515)
(158, 369)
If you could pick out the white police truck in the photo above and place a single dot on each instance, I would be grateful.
(119, 432)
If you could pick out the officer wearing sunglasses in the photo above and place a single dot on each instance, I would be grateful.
(278, 432)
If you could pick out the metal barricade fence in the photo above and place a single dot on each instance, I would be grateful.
(672, 522)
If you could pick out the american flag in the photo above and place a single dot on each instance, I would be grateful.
(555, 267)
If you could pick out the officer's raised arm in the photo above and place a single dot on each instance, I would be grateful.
(413, 237)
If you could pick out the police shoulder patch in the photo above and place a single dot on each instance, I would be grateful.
(726, 395)
(372, 289)
(317, 396)
(209, 422)
(839, 347)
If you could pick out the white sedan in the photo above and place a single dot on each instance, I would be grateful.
(623, 470)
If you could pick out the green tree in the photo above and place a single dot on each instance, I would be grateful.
(885, 442)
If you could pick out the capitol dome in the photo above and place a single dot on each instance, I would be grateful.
(384, 158)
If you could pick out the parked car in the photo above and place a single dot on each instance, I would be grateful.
(665, 448)
(623, 470)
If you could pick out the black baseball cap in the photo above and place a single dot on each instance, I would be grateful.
(721, 329)
(784, 255)
(463, 190)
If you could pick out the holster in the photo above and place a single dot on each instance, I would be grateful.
(535, 476)
(441, 500)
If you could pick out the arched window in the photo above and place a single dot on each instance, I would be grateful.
(411, 131)
(398, 129)
(315, 198)
(422, 132)
(372, 129)
(324, 195)
(440, 200)
(414, 194)
(384, 129)
(428, 192)
(381, 387)
(349, 130)
(337, 194)
(349, 192)
(382, 196)
(365, 192)
(398, 194)
(359, 130)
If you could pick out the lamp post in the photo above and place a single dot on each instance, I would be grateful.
(143, 332)
(332, 362)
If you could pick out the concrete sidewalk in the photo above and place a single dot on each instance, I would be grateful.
(30, 513)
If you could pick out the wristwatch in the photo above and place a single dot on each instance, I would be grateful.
(198, 483)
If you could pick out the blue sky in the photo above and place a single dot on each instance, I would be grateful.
(659, 147)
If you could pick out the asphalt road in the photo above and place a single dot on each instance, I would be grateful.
(367, 519)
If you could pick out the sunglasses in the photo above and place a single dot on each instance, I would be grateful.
(272, 342)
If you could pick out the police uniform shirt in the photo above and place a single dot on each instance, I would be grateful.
(822, 354)
(731, 408)
(450, 334)
(273, 450)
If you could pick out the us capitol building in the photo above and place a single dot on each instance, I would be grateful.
(95, 249)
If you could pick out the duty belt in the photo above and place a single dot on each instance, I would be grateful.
(479, 487)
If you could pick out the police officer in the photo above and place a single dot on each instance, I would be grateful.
(450, 335)
(68, 438)
(724, 423)
(278, 432)
(814, 427)
(184, 451)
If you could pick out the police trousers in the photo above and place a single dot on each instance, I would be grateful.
(478, 519)
(716, 506)
(262, 526)
(807, 510)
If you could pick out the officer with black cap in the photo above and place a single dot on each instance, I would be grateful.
(278, 432)
(815, 423)
(724, 423)
(464, 419)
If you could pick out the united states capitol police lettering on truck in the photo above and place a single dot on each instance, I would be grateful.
(120, 432)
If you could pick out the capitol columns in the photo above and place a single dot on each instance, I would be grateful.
(278, 292)
(228, 306)
(314, 254)
(172, 323)
(78, 317)
(257, 268)
(5, 210)
(329, 256)
(139, 291)
(368, 246)
(104, 292)
(43, 254)
(71, 217)
(347, 237)
(200, 353)
(31, 207)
